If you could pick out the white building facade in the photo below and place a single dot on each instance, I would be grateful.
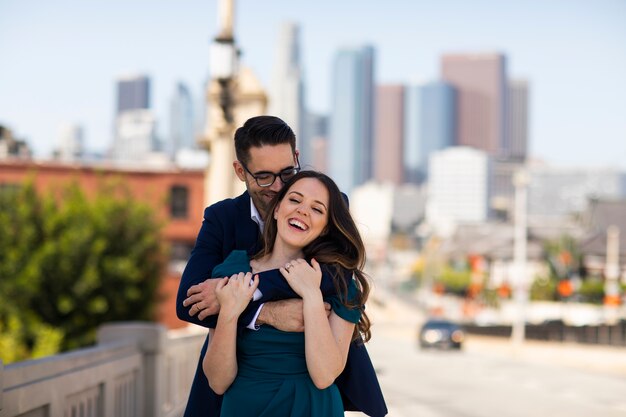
(563, 191)
(71, 143)
(459, 187)
(371, 205)
(135, 136)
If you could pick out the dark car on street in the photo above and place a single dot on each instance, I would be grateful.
(441, 334)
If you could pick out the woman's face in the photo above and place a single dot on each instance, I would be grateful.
(302, 215)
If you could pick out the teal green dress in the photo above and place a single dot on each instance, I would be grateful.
(272, 377)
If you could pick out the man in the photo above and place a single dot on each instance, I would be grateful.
(266, 159)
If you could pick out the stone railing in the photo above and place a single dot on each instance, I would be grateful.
(136, 369)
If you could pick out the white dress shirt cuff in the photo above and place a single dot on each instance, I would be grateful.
(253, 325)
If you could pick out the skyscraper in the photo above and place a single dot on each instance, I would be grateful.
(287, 91)
(181, 120)
(481, 84)
(316, 127)
(388, 140)
(517, 121)
(351, 122)
(135, 124)
(133, 93)
(430, 125)
(516, 148)
(135, 136)
(71, 143)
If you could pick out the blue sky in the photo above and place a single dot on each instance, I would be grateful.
(60, 59)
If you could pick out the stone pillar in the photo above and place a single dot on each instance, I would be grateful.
(226, 20)
(233, 95)
(150, 338)
(520, 255)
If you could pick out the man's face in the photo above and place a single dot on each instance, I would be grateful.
(264, 159)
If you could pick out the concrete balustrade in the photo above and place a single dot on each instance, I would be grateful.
(136, 369)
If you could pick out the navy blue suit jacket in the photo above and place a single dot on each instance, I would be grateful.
(227, 226)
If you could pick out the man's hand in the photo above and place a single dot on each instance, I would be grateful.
(201, 297)
(285, 315)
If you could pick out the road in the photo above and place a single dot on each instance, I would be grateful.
(488, 378)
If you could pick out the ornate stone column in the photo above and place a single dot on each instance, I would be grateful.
(233, 96)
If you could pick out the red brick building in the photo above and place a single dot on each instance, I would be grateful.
(178, 194)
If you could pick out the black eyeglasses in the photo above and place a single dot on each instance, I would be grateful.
(266, 179)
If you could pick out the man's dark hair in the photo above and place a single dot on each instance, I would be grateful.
(260, 131)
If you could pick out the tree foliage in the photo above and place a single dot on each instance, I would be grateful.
(455, 280)
(543, 289)
(69, 263)
(563, 256)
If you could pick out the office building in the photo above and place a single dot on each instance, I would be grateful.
(517, 120)
(316, 126)
(430, 125)
(458, 187)
(135, 136)
(389, 129)
(371, 205)
(181, 120)
(481, 84)
(287, 90)
(133, 93)
(351, 120)
(71, 143)
(555, 192)
(515, 150)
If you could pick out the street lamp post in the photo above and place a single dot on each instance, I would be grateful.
(222, 92)
(520, 182)
(233, 95)
(611, 275)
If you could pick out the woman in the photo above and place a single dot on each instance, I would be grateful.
(273, 373)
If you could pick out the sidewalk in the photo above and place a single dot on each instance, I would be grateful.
(595, 358)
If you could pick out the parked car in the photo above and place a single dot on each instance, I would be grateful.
(441, 334)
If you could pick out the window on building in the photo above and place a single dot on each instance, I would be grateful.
(179, 202)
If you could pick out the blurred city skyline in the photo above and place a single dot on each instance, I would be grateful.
(61, 60)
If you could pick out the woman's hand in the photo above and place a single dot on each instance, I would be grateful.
(220, 361)
(235, 293)
(303, 278)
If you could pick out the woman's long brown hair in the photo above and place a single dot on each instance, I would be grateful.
(339, 246)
